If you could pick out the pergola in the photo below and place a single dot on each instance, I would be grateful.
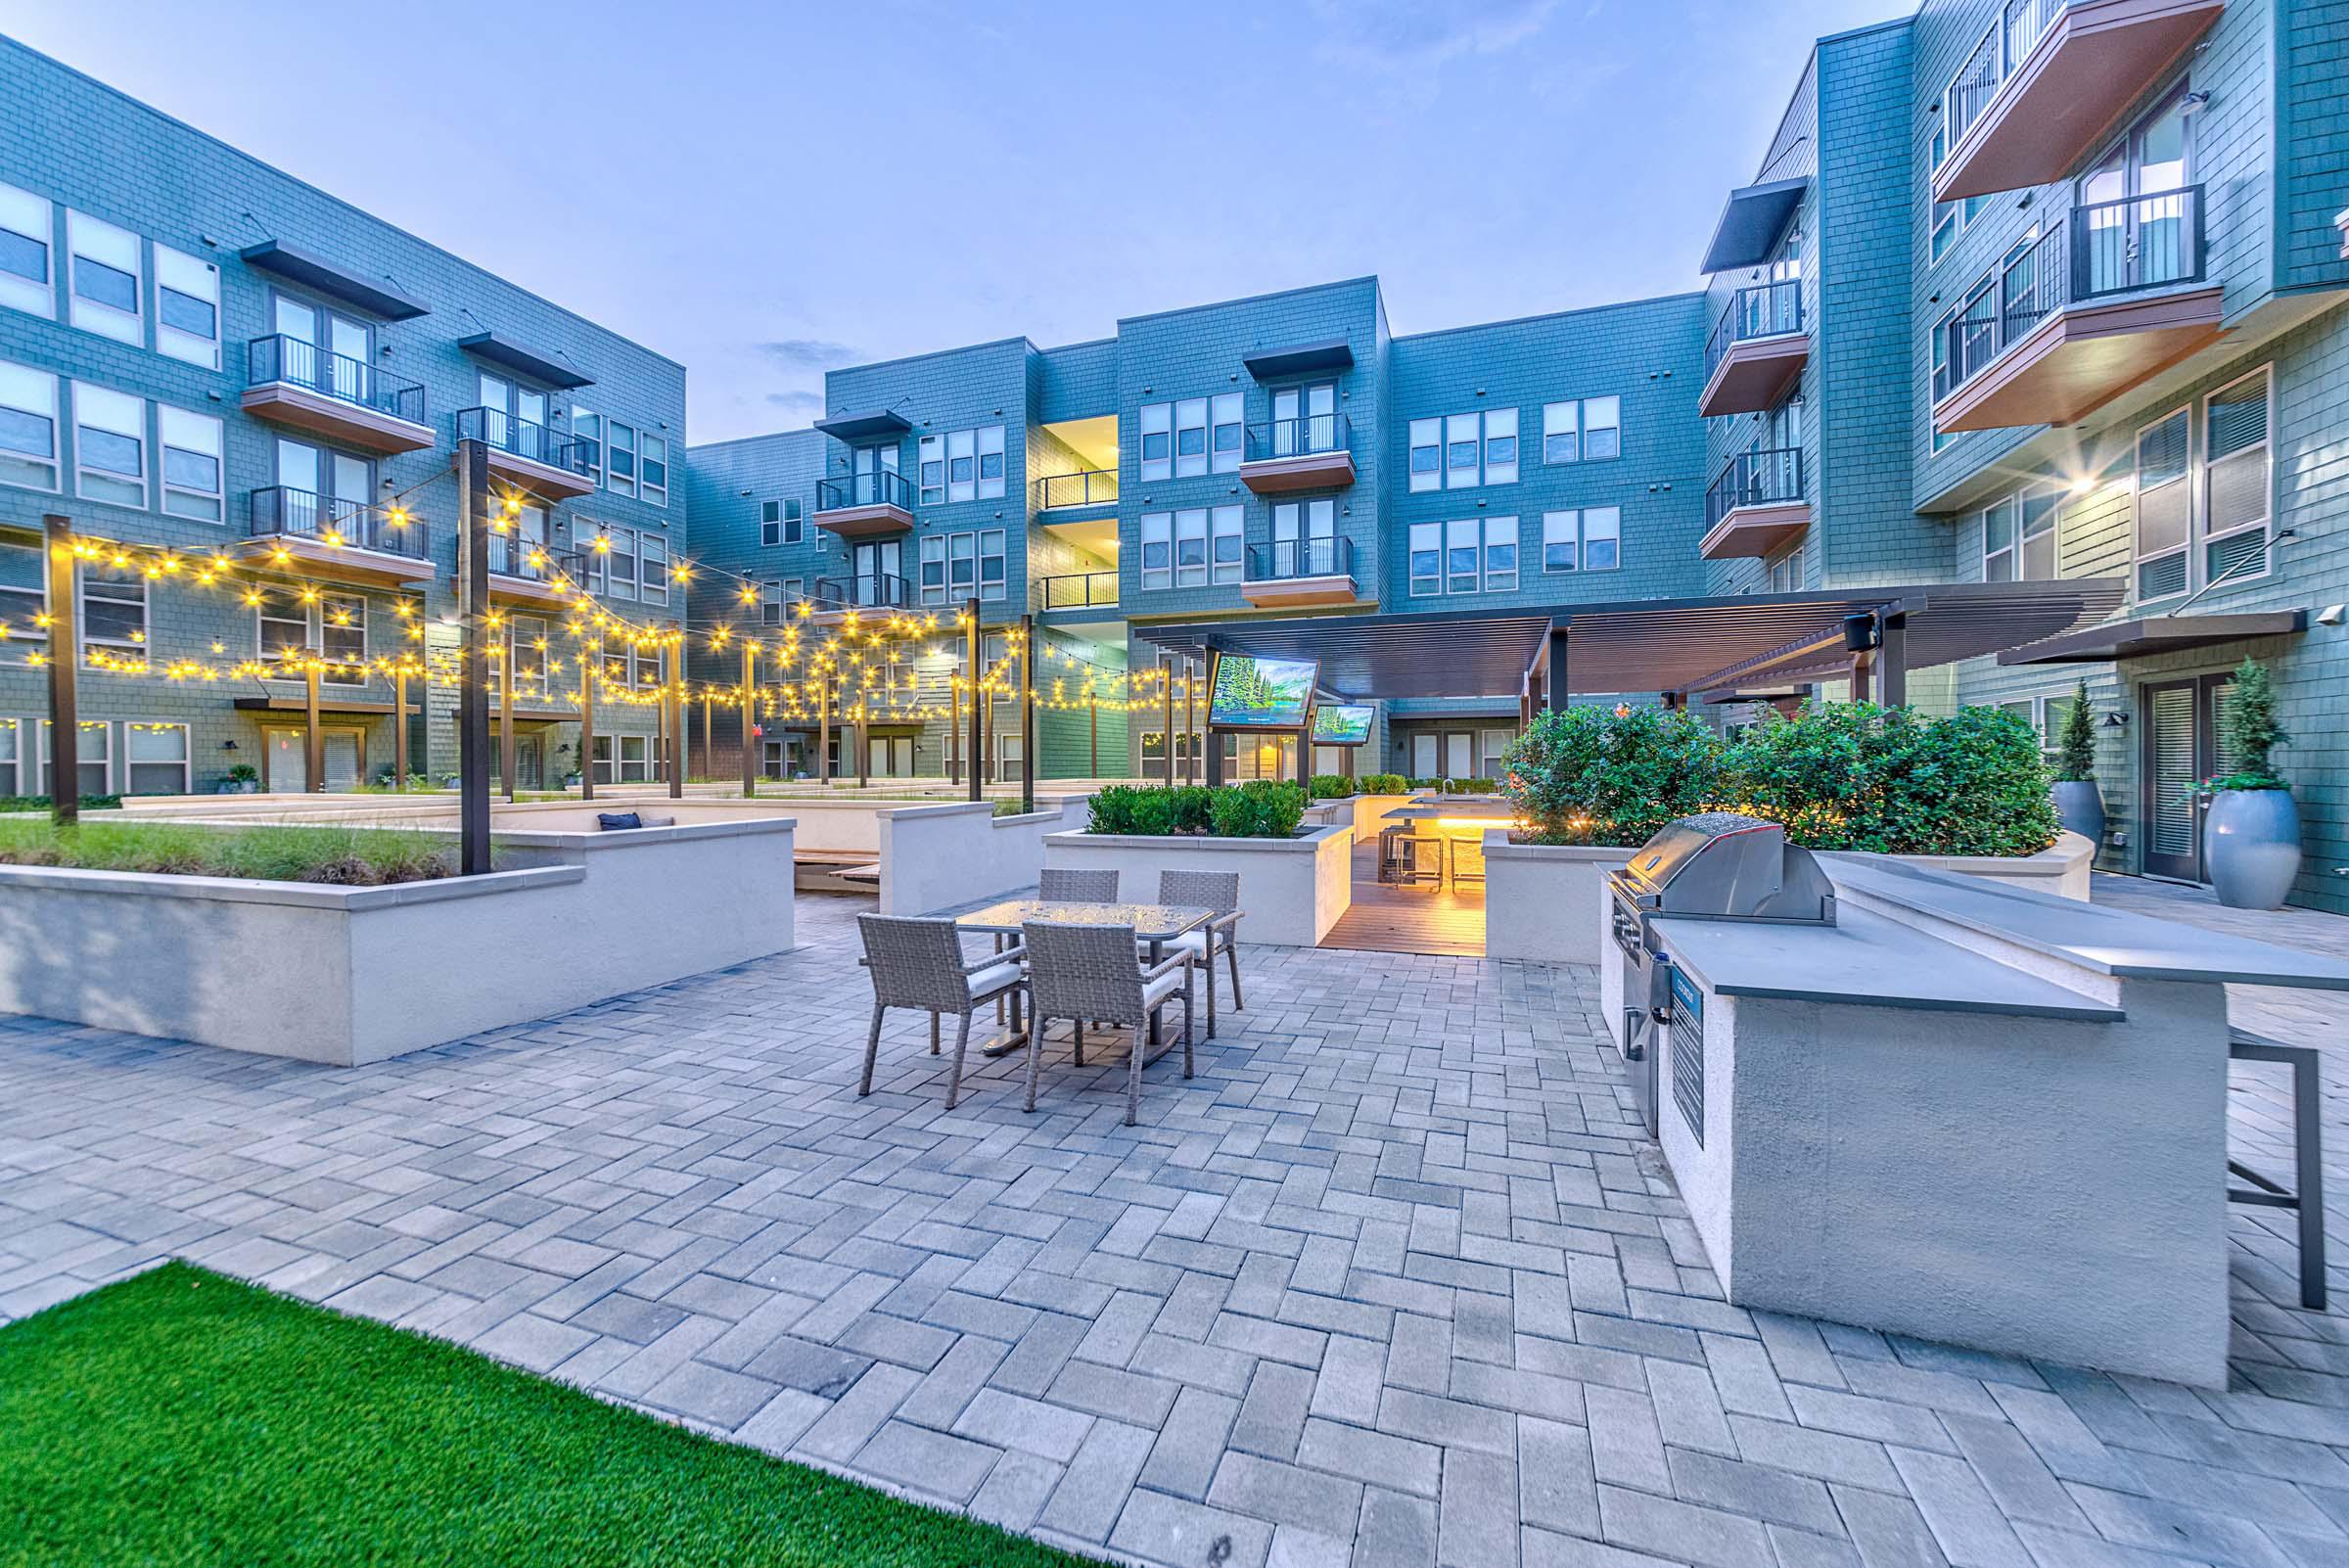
(1688, 649)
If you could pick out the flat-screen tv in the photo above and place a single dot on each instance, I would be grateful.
(1261, 693)
(1343, 725)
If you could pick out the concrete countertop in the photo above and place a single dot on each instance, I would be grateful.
(1863, 960)
(2110, 942)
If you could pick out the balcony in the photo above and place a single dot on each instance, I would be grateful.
(1076, 590)
(1312, 453)
(832, 600)
(1757, 507)
(347, 542)
(2094, 308)
(866, 506)
(323, 393)
(1056, 493)
(1757, 349)
(1289, 573)
(2050, 80)
(525, 571)
(547, 463)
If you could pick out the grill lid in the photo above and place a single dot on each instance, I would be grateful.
(1678, 843)
(1726, 865)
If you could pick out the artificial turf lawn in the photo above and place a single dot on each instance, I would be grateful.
(183, 1417)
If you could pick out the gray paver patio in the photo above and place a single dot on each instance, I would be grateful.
(1391, 1281)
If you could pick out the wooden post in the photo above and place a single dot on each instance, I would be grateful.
(750, 715)
(313, 737)
(591, 665)
(673, 696)
(1027, 715)
(399, 729)
(954, 730)
(974, 647)
(505, 711)
(823, 729)
(473, 702)
(1167, 672)
(1093, 723)
(64, 659)
(1211, 741)
(1190, 723)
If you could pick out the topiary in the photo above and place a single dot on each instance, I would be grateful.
(2249, 730)
(2076, 752)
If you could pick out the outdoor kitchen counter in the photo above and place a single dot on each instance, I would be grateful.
(1866, 960)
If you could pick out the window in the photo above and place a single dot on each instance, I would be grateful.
(635, 765)
(23, 599)
(1462, 555)
(780, 523)
(1158, 549)
(1225, 438)
(1190, 548)
(1561, 432)
(27, 428)
(620, 475)
(1603, 538)
(94, 758)
(587, 434)
(1501, 447)
(962, 464)
(1158, 440)
(930, 469)
(109, 445)
(1427, 559)
(992, 564)
(113, 606)
(1190, 437)
(1941, 375)
(343, 638)
(1427, 455)
(1998, 541)
(2237, 481)
(1786, 573)
(1464, 441)
(187, 308)
(2035, 529)
(652, 554)
(655, 470)
(192, 455)
(1227, 563)
(106, 278)
(282, 628)
(1602, 432)
(956, 566)
(619, 562)
(1561, 540)
(990, 463)
(12, 758)
(2165, 504)
(774, 598)
(1501, 555)
(24, 237)
(1949, 218)
(1588, 431)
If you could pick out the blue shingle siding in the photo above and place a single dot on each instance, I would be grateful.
(86, 148)
(2311, 142)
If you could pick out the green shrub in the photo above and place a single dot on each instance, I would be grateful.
(1331, 786)
(1260, 809)
(1593, 776)
(43, 803)
(2249, 730)
(346, 856)
(2076, 758)
(1150, 811)
(1382, 784)
(1856, 776)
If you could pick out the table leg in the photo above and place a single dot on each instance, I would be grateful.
(1015, 1032)
(1157, 953)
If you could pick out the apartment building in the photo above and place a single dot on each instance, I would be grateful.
(2027, 288)
(252, 392)
(1270, 456)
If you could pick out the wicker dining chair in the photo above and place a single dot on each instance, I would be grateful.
(1083, 973)
(1219, 891)
(1067, 885)
(920, 964)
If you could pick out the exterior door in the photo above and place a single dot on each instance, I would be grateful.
(2180, 749)
(871, 462)
(1423, 755)
(1459, 756)
(872, 565)
(286, 763)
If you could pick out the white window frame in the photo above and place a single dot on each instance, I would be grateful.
(991, 444)
(177, 272)
(995, 583)
(117, 249)
(1226, 432)
(652, 451)
(1785, 574)
(619, 439)
(198, 435)
(17, 391)
(1190, 418)
(32, 218)
(320, 615)
(780, 523)
(1426, 539)
(2266, 447)
(12, 757)
(22, 608)
(930, 470)
(962, 452)
(99, 729)
(118, 407)
(1501, 460)
(623, 548)
(81, 589)
(1463, 438)
(1564, 528)
(2139, 554)
(1601, 525)
(1157, 531)
(1501, 534)
(1602, 414)
(587, 426)
(1562, 422)
(652, 582)
(1156, 419)
(1227, 528)
(1426, 435)
(1191, 528)
(1463, 535)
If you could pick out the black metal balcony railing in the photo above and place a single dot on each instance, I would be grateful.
(1094, 487)
(1995, 58)
(865, 590)
(289, 361)
(1768, 476)
(298, 514)
(878, 488)
(2105, 249)
(1308, 436)
(1077, 590)
(1301, 558)
(1764, 310)
(513, 556)
(523, 439)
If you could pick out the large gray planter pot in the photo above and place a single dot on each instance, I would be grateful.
(2082, 809)
(2251, 843)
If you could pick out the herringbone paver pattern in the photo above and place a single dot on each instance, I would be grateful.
(1391, 1281)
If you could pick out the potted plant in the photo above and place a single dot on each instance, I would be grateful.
(2252, 836)
(2077, 798)
(242, 779)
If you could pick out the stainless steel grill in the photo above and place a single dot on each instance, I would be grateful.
(1717, 865)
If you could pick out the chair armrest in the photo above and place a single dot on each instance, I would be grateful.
(1227, 921)
(1180, 960)
(1017, 952)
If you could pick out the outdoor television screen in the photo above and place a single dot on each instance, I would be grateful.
(1261, 693)
(1342, 724)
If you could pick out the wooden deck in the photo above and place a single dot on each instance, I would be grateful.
(1445, 921)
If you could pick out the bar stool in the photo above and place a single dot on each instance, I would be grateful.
(2307, 1197)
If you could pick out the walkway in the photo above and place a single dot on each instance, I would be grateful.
(1449, 920)
(1391, 1282)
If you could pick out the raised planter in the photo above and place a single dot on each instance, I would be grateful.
(346, 976)
(937, 856)
(1291, 889)
(2251, 839)
(1542, 900)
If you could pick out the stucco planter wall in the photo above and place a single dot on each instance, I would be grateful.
(1291, 889)
(1542, 901)
(353, 975)
(937, 856)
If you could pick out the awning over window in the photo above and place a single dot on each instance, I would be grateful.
(1299, 359)
(524, 360)
(2149, 636)
(876, 425)
(337, 282)
(1751, 223)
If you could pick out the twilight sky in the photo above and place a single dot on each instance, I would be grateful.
(765, 188)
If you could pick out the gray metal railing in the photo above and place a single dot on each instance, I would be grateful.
(1093, 487)
(292, 362)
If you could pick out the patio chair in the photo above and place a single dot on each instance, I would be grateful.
(1067, 885)
(1090, 971)
(920, 964)
(1219, 891)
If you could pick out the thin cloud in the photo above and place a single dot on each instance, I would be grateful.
(1394, 36)
(796, 402)
(807, 354)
